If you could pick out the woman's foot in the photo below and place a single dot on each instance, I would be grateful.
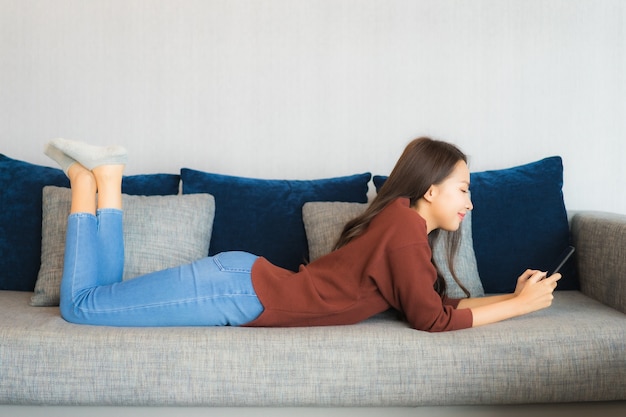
(61, 158)
(64, 151)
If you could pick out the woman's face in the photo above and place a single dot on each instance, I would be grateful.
(450, 199)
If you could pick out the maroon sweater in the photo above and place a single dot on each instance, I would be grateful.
(387, 266)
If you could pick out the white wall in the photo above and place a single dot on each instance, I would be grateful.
(320, 88)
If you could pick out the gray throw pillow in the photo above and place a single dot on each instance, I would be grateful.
(324, 221)
(465, 264)
(159, 232)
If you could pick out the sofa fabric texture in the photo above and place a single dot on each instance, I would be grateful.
(557, 355)
(600, 239)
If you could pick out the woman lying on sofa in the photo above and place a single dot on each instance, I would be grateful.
(382, 260)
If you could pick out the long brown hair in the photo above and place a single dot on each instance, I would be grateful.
(423, 163)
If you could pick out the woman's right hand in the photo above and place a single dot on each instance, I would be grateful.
(534, 291)
(522, 279)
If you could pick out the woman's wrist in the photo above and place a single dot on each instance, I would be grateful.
(506, 307)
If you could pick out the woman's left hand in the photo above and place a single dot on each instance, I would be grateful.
(522, 279)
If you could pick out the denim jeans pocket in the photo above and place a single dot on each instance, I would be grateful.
(235, 261)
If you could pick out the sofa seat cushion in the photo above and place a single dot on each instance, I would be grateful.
(573, 351)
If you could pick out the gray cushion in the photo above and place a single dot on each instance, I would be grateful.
(573, 351)
(159, 232)
(324, 221)
(464, 264)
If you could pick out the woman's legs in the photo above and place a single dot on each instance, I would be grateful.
(94, 252)
(213, 291)
(210, 291)
(106, 180)
(110, 236)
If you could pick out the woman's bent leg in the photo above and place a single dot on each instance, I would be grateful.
(80, 264)
(209, 292)
(110, 238)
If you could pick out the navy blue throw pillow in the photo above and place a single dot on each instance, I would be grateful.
(21, 185)
(264, 217)
(378, 181)
(151, 184)
(519, 221)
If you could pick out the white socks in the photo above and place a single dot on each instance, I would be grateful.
(63, 160)
(66, 152)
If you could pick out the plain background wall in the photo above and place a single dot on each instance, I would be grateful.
(321, 88)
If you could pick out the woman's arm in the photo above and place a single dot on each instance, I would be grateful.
(531, 294)
(483, 301)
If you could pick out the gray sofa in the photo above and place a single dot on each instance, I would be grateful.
(574, 351)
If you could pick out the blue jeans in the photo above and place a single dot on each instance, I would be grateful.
(212, 291)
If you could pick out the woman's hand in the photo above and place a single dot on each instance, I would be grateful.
(534, 290)
(522, 279)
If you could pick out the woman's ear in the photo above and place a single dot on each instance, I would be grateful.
(430, 193)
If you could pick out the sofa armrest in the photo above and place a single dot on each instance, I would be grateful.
(600, 241)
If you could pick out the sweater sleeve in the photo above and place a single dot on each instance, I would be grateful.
(413, 276)
(454, 302)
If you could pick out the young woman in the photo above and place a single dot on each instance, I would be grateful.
(382, 260)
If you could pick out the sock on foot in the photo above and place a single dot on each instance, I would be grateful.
(91, 156)
(61, 158)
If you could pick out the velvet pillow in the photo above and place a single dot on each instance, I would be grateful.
(264, 217)
(378, 181)
(20, 220)
(520, 222)
(20, 214)
(159, 232)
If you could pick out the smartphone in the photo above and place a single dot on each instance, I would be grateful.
(562, 259)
